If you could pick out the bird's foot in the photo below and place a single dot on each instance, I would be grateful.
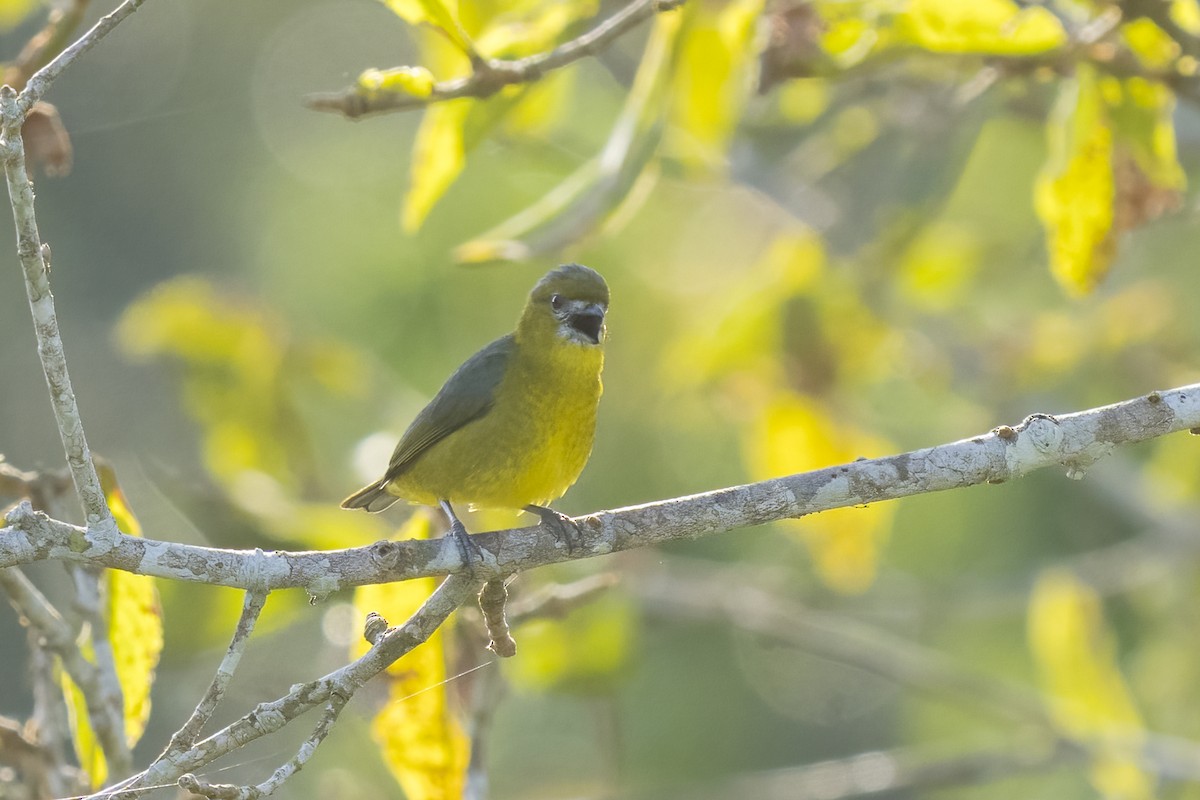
(468, 548)
(565, 529)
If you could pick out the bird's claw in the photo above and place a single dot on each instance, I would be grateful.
(468, 548)
(565, 529)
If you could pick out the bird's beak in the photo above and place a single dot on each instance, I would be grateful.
(589, 321)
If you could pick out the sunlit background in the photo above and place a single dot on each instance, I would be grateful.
(835, 268)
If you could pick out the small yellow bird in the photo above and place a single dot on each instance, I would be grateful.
(513, 427)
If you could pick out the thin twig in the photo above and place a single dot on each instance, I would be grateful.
(33, 255)
(89, 605)
(105, 712)
(41, 304)
(39, 82)
(186, 736)
(46, 44)
(270, 717)
(491, 75)
(34, 260)
(1071, 442)
(219, 791)
(492, 601)
(96, 677)
(50, 719)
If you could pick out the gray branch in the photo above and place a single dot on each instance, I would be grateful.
(1071, 441)
(35, 262)
(491, 75)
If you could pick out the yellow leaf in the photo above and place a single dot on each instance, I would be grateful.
(423, 743)
(1000, 27)
(848, 39)
(137, 638)
(87, 748)
(794, 434)
(437, 159)
(717, 59)
(415, 81)
(448, 132)
(1152, 46)
(524, 31)
(1186, 14)
(133, 617)
(1075, 652)
(1075, 191)
(442, 15)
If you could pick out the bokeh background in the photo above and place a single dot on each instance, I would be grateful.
(849, 264)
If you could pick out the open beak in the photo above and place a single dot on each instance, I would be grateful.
(589, 321)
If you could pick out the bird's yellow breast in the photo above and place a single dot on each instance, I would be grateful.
(530, 446)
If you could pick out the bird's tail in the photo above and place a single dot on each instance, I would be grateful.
(374, 497)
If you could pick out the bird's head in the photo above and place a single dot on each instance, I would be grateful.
(569, 303)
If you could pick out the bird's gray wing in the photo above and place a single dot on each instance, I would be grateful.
(465, 397)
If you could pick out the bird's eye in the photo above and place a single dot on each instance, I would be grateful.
(557, 301)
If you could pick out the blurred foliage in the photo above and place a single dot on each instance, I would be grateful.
(584, 651)
(832, 230)
(13, 12)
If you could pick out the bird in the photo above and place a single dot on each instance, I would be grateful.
(513, 427)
